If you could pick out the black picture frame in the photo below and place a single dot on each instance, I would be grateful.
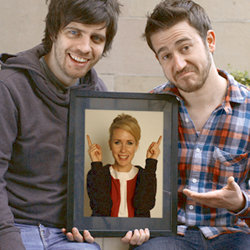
(81, 100)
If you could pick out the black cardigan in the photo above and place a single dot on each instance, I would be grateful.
(99, 189)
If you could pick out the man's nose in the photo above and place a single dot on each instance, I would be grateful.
(84, 44)
(179, 62)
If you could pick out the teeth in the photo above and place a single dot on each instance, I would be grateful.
(79, 59)
(123, 157)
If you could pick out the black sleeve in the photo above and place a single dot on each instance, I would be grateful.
(99, 187)
(144, 199)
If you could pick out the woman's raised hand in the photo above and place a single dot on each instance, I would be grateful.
(153, 150)
(95, 151)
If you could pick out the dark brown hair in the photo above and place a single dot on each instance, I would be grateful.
(62, 12)
(169, 12)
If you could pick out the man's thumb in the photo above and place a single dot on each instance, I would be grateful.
(231, 182)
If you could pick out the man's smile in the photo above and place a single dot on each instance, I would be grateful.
(78, 59)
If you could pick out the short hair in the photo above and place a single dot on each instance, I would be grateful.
(62, 12)
(170, 12)
(127, 123)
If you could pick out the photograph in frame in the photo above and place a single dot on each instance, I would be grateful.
(92, 113)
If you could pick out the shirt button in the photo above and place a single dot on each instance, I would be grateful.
(198, 150)
(187, 120)
(191, 207)
(194, 180)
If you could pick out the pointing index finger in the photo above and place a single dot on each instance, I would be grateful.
(159, 140)
(89, 141)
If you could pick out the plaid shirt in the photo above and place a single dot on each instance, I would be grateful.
(208, 158)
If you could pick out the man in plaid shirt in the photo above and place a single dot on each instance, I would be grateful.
(214, 125)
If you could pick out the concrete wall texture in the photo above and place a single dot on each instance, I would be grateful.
(131, 66)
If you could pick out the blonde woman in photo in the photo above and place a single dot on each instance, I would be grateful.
(122, 189)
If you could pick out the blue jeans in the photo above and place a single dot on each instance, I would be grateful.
(47, 238)
(194, 240)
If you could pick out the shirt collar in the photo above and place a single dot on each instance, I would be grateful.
(236, 92)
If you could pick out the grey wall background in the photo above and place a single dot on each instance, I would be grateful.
(131, 66)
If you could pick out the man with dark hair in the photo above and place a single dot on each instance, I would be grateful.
(34, 100)
(214, 126)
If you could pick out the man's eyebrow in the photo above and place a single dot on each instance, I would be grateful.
(182, 40)
(72, 27)
(176, 43)
(82, 30)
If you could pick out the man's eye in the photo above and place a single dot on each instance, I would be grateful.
(185, 48)
(165, 57)
(73, 32)
(116, 142)
(97, 39)
(130, 143)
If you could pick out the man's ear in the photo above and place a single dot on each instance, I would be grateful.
(211, 40)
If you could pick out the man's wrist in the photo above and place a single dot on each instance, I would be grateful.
(243, 206)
